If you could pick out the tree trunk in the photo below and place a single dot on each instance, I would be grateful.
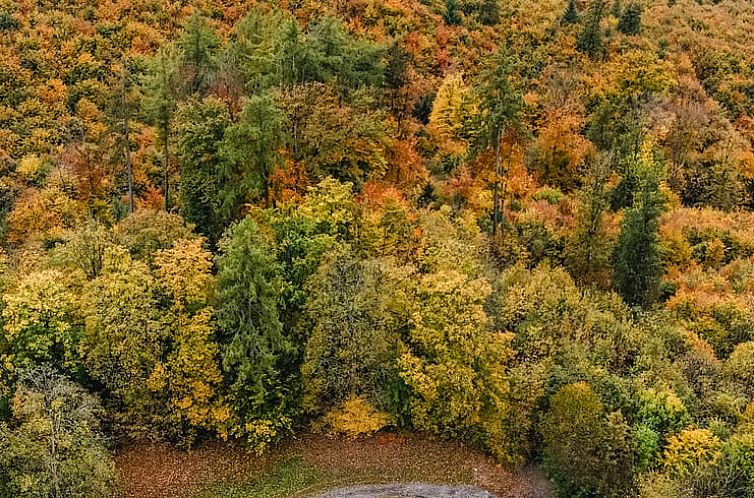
(129, 165)
(496, 195)
(166, 180)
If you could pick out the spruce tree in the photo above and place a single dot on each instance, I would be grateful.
(630, 20)
(160, 86)
(571, 15)
(251, 332)
(501, 104)
(199, 45)
(637, 259)
(451, 17)
(590, 39)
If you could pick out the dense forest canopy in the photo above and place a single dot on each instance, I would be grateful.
(523, 225)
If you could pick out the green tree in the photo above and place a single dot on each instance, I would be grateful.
(198, 44)
(590, 40)
(489, 12)
(587, 451)
(588, 250)
(451, 15)
(200, 129)
(253, 344)
(571, 15)
(500, 106)
(251, 151)
(637, 260)
(160, 88)
(354, 332)
(123, 340)
(630, 19)
(41, 323)
(54, 448)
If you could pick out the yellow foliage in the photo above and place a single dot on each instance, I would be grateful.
(691, 449)
(29, 166)
(356, 417)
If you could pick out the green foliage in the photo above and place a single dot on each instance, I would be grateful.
(451, 16)
(146, 232)
(354, 308)
(250, 152)
(571, 14)
(253, 343)
(121, 344)
(198, 44)
(590, 39)
(637, 258)
(200, 129)
(41, 324)
(587, 451)
(500, 102)
(630, 19)
(54, 447)
(588, 250)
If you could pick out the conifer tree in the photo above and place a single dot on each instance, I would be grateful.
(500, 105)
(489, 12)
(630, 20)
(571, 15)
(451, 16)
(251, 333)
(590, 39)
(637, 259)
(160, 99)
(198, 44)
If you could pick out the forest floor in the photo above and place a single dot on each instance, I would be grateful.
(312, 464)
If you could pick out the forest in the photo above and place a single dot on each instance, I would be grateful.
(522, 225)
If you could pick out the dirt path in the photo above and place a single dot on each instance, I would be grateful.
(413, 490)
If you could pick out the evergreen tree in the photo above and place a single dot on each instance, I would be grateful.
(637, 259)
(198, 44)
(250, 149)
(590, 39)
(160, 86)
(200, 129)
(251, 333)
(451, 16)
(587, 253)
(500, 105)
(571, 15)
(630, 20)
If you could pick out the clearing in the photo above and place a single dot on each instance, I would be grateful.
(313, 464)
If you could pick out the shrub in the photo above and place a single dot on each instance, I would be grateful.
(356, 417)
(690, 451)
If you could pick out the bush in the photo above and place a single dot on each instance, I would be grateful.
(690, 451)
(356, 417)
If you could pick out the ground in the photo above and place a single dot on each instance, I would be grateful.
(314, 464)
